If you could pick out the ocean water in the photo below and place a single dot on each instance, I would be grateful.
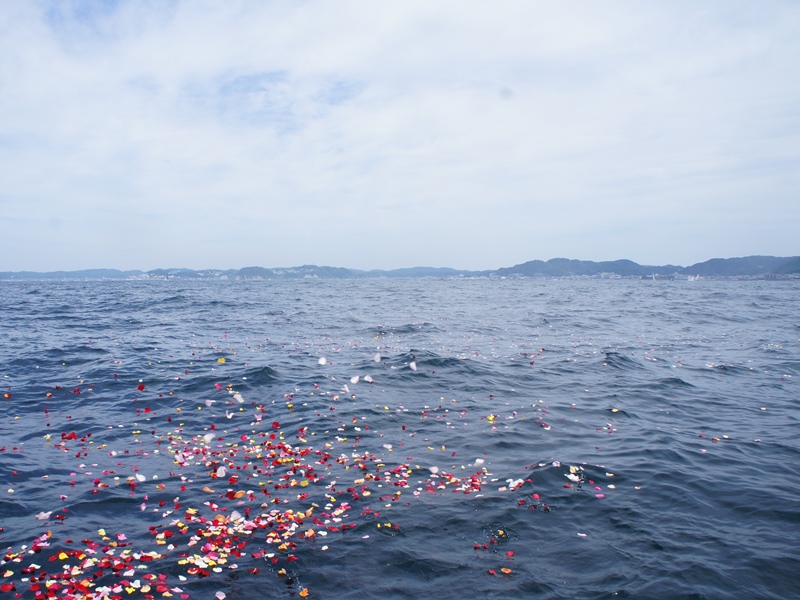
(400, 438)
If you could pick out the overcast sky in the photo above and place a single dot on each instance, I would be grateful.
(374, 134)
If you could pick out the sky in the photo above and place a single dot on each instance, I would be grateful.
(380, 134)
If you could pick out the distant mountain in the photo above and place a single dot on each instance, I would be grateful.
(733, 267)
(791, 266)
(423, 272)
(302, 272)
(748, 266)
(564, 267)
(182, 273)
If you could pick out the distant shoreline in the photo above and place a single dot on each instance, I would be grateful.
(758, 267)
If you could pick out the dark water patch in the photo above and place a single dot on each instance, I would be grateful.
(257, 376)
(728, 369)
(671, 382)
(411, 329)
(10, 509)
(621, 361)
(177, 299)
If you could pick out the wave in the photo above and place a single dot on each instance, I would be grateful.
(621, 361)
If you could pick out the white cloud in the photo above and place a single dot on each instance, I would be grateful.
(370, 135)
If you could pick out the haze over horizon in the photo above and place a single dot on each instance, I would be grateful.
(137, 135)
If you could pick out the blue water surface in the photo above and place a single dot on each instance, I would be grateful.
(484, 438)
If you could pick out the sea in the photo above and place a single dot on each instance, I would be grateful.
(400, 438)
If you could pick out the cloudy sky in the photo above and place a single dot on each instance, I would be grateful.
(379, 134)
